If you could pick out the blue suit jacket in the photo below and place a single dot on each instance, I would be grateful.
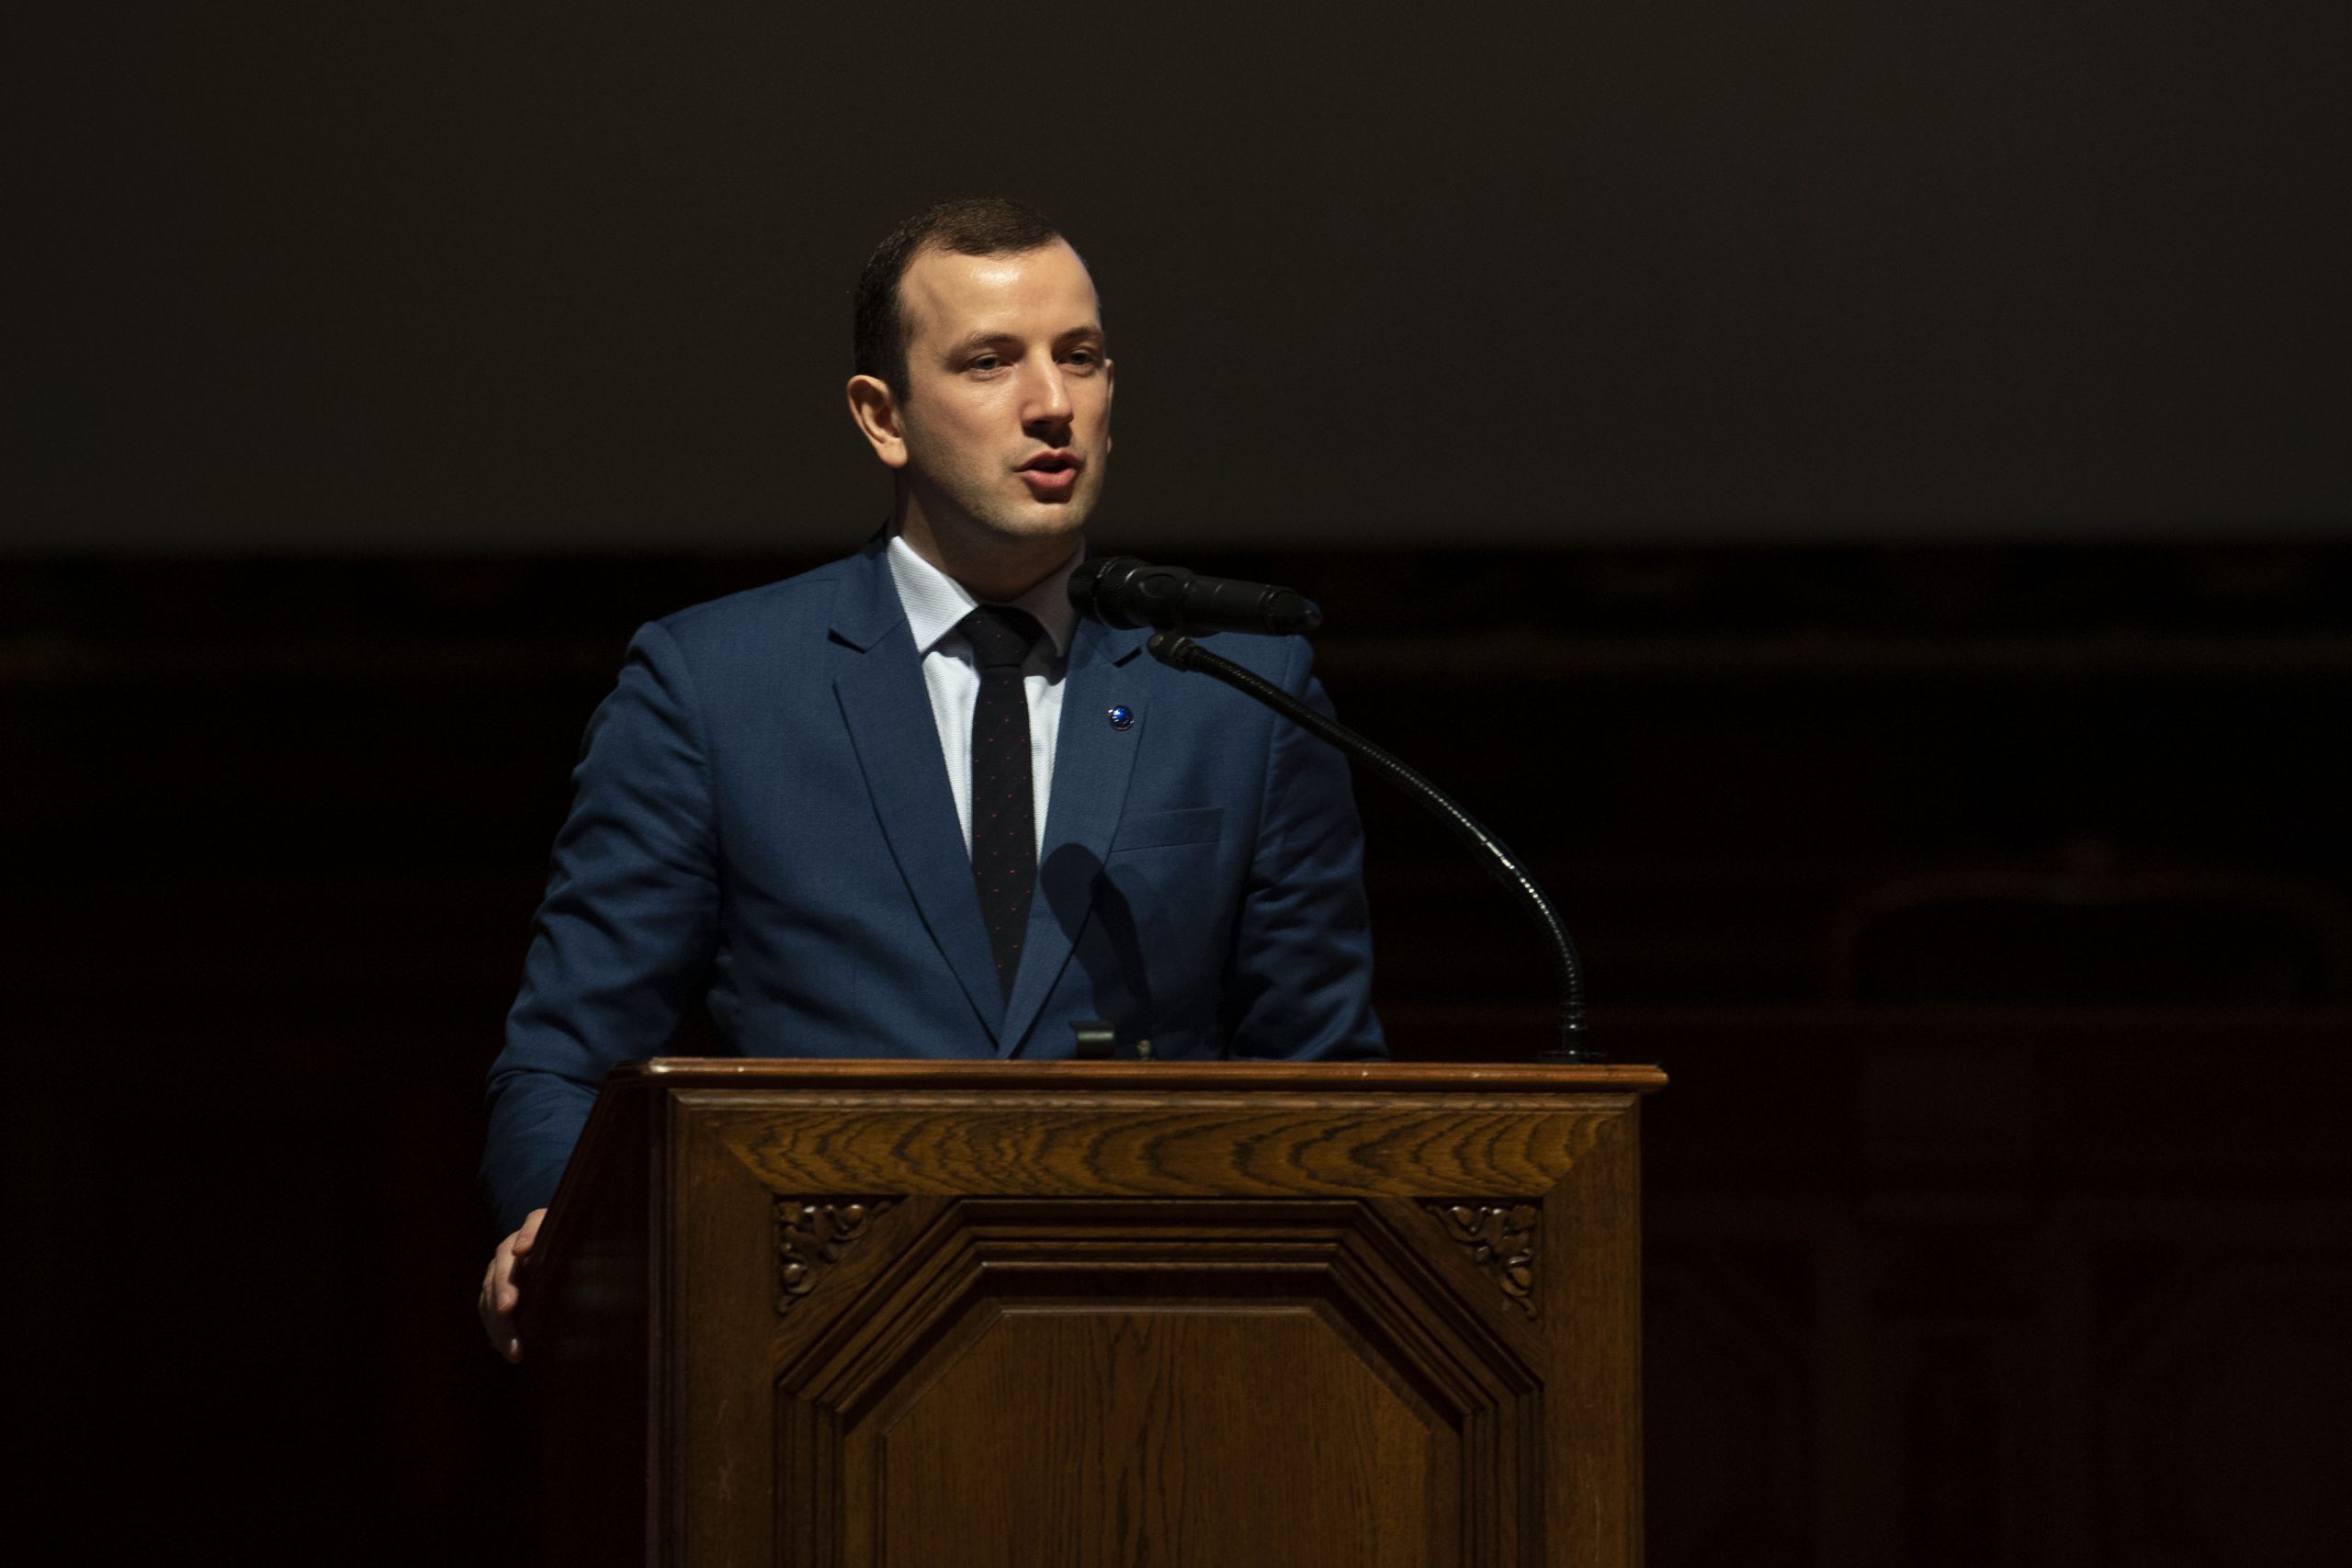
(762, 819)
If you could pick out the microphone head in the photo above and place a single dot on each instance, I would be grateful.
(1130, 594)
(1105, 590)
(1291, 614)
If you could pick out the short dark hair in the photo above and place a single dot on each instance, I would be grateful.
(969, 226)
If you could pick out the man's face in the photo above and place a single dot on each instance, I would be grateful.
(1005, 425)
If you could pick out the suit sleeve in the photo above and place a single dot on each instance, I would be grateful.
(1299, 982)
(625, 934)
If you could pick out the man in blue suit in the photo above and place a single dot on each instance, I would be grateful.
(907, 804)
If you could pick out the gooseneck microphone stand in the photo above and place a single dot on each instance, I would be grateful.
(1181, 652)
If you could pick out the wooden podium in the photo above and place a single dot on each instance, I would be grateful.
(932, 1315)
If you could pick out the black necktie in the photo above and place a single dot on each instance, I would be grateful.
(1004, 823)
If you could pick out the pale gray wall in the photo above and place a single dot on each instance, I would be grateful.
(445, 275)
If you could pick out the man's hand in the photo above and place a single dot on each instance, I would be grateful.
(499, 1292)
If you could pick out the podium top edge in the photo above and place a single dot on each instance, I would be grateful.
(1321, 1077)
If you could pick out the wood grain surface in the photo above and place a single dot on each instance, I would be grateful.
(1018, 1314)
(1147, 1437)
(1133, 1144)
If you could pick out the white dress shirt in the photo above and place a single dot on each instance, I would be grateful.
(935, 602)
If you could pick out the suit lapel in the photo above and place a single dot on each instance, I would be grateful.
(1093, 762)
(878, 681)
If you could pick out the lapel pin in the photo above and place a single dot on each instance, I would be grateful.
(1122, 718)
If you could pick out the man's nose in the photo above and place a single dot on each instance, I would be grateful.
(1046, 396)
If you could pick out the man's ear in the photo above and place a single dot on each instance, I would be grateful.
(874, 410)
(1108, 388)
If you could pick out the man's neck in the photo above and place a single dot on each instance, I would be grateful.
(993, 570)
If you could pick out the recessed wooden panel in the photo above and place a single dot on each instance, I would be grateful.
(1321, 1370)
(1146, 1437)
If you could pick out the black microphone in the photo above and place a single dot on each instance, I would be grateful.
(1123, 592)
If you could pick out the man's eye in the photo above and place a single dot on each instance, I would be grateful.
(984, 362)
(1083, 357)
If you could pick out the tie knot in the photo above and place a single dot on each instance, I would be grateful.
(1001, 636)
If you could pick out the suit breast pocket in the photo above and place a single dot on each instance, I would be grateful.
(1166, 829)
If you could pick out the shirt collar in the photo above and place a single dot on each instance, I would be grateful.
(935, 601)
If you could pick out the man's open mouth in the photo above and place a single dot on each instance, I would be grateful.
(1051, 476)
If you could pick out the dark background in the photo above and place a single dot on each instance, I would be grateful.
(435, 276)
(1855, 494)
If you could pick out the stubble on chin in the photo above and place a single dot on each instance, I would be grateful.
(1023, 519)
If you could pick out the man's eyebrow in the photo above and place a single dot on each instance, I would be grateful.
(975, 341)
